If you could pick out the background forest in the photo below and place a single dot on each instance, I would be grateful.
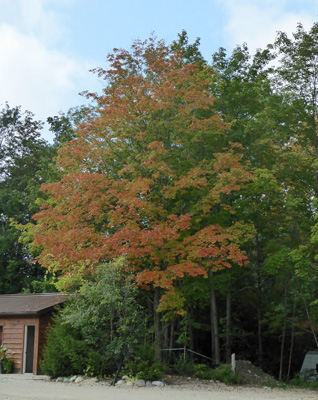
(180, 206)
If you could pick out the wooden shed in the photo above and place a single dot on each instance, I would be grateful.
(23, 322)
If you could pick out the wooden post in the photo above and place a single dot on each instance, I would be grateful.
(233, 362)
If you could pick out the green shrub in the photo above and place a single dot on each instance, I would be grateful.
(66, 353)
(7, 365)
(140, 368)
(301, 383)
(63, 352)
(224, 374)
(141, 364)
(203, 371)
(98, 326)
(98, 364)
(183, 367)
(151, 372)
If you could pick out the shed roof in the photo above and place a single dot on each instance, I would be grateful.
(29, 304)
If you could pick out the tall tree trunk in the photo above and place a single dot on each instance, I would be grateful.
(292, 339)
(228, 344)
(165, 341)
(259, 328)
(157, 324)
(171, 342)
(259, 334)
(283, 337)
(259, 303)
(119, 368)
(191, 341)
(165, 335)
(215, 338)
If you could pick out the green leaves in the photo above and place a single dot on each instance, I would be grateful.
(24, 159)
(106, 311)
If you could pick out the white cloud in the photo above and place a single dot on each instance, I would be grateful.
(35, 17)
(33, 73)
(257, 21)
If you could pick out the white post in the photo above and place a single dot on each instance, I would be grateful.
(233, 362)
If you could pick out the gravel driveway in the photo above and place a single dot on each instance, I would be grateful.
(29, 387)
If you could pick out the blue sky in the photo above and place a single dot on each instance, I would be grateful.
(48, 46)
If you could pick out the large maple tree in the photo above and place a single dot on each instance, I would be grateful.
(149, 175)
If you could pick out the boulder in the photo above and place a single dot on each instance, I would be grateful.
(140, 383)
(158, 383)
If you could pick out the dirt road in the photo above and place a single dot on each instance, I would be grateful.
(28, 387)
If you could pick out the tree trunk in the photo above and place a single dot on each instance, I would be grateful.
(259, 303)
(228, 344)
(292, 339)
(215, 338)
(119, 368)
(191, 341)
(283, 338)
(165, 335)
(259, 330)
(157, 324)
(171, 342)
(165, 340)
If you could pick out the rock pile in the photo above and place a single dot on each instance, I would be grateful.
(140, 383)
(253, 375)
(124, 381)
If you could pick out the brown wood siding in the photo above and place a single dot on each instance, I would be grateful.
(13, 339)
(26, 316)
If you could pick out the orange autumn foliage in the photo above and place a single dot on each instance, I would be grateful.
(146, 176)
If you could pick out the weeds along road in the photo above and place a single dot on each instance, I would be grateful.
(29, 387)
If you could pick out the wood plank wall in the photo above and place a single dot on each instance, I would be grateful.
(13, 339)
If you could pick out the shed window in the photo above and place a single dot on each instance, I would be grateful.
(1, 335)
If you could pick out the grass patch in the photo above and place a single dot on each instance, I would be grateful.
(300, 383)
(222, 373)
